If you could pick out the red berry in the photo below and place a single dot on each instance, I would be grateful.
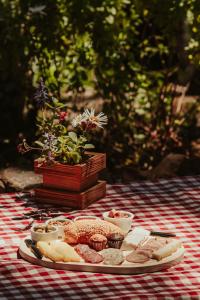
(62, 115)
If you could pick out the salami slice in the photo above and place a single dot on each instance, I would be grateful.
(135, 257)
(153, 244)
(146, 252)
(88, 254)
(112, 256)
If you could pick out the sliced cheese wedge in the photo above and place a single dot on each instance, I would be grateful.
(66, 251)
(167, 250)
(133, 238)
(48, 252)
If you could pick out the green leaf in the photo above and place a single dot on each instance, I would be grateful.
(69, 148)
(76, 157)
(49, 105)
(88, 146)
(82, 139)
(39, 143)
(61, 105)
(73, 136)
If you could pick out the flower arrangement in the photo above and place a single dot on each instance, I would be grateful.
(63, 136)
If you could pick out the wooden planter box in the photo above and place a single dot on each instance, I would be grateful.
(75, 178)
(71, 199)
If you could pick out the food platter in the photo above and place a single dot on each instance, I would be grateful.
(125, 268)
(109, 245)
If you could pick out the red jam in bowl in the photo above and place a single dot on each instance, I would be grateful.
(118, 214)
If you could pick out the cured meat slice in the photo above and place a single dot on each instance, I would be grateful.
(135, 257)
(112, 256)
(153, 244)
(88, 254)
(146, 252)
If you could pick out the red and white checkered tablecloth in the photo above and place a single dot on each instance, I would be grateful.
(168, 205)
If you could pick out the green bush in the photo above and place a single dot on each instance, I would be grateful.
(133, 53)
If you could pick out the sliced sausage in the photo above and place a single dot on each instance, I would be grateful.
(146, 252)
(88, 254)
(112, 256)
(135, 257)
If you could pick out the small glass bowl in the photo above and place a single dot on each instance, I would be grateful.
(86, 218)
(43, 236)
(60, 227)
(123, 223)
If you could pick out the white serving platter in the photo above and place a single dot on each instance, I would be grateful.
(124, 269)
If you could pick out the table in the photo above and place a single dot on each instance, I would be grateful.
(168, 205)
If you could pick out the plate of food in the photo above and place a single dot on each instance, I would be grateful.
(97, 245)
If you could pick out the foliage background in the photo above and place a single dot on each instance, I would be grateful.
(132, 53)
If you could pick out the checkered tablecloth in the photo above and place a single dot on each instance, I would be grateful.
(168, 205)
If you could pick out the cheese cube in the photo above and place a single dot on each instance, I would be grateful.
(133, 238)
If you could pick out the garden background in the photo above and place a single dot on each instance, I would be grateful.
(138, 61)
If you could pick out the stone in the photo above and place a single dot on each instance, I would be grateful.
(19, 180)
(168, 167)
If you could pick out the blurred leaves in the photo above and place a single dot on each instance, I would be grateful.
(38, 9)
(132, 53)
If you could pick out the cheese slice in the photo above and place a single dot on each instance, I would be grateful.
(58, 251)
(167, 250)
(48, 252)
(68, 253)
(133, 238)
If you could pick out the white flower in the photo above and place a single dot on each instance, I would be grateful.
(88, 120)
(77, 120)
(98, 121)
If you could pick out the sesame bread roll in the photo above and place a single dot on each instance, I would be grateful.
(80, 231)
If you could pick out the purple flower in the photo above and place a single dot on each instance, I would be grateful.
(50, 142)
(42, 95)
(50, 156)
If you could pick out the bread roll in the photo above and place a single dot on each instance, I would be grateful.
(167, 250)
(80, 231)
